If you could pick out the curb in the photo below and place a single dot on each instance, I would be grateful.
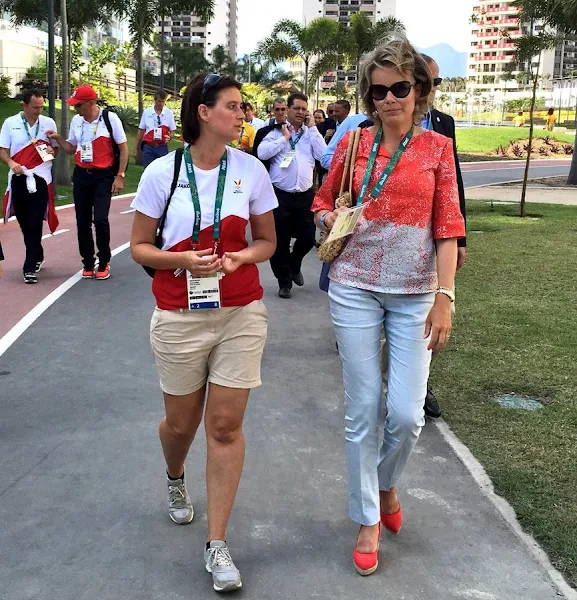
(485, 484)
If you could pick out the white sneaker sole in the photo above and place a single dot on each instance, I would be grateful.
(229, 587)
(182, 522)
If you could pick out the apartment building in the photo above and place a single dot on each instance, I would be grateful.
(495, 27)
(341, 10)
(190, 30)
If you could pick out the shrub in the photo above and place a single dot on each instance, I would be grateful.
(127, 115)
(4, 87)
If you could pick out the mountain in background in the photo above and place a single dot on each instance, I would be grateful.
(451, 62)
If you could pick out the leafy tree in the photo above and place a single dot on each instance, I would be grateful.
(311, 42)
(221, 62)
(142, 18)
(529, 46)
(362, 35)
(560, 15)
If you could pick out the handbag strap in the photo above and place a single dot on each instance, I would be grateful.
(358, 134)
(347, 163)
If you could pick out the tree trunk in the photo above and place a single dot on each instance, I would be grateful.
(140, 68)
(306, 81)
(161, 82)
(530, 148)
(358, 75)
(62, 162)
(572, 179)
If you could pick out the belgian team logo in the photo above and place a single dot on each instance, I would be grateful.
(237, 186)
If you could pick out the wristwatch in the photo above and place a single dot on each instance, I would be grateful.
(120, 174)
(446, 292)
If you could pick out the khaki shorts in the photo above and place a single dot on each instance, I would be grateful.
(222, 346)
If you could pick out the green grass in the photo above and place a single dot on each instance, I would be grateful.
(64, 193)
(488, 139)
(515, 331)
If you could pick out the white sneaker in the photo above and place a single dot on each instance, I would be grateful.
(179, 505)
(225, 576)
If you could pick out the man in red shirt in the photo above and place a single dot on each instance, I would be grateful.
(26, 149)
(95, 179)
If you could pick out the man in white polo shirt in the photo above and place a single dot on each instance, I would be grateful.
(156, 129)
(28, 152)
(98, 142)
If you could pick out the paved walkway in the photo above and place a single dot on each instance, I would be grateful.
(535, 193)
(82, 492)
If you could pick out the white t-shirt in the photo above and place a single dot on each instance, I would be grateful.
(248, 191)
(150, 121)
(15, 139)
(257, 123)
(81, 132)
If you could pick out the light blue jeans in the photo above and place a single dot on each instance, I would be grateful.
(358, 316)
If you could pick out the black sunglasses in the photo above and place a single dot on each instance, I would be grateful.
(437, 81)
(401, 89)
(210, 80)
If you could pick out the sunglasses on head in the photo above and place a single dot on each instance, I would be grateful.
(210, 80)
(401, 89)
(437, 81)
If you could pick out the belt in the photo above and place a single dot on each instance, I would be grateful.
(93, 170)
(293, 192)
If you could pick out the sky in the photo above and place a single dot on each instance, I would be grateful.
(425, 26)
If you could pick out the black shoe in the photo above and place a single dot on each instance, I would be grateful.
(30, 278)
(298, 278)
(432, 408)
(284, 292)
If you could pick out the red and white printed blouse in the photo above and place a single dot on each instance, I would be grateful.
(392, 248)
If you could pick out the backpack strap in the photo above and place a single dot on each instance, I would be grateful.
(106, 118)
(177, 163)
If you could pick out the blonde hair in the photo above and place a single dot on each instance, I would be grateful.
(400, 55)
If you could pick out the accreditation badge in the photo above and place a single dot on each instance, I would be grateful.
(287, 160)
(42, 150)
(345, 223)
(86, 152)
(157, 134)
(203, 292)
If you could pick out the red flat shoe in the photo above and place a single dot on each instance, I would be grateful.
(393, 522)
(366, 563)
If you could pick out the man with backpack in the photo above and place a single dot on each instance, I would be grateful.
(98, 142)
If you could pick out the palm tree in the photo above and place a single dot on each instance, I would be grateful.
(289, 39)
(362, 35)
(142, 16)
(221, 62)
(186, 62)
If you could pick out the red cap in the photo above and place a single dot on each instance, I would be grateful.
(83, 93)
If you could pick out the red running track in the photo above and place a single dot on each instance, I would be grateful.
(61, 256)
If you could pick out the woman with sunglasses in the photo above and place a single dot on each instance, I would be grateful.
(209, 326)
(396, 269)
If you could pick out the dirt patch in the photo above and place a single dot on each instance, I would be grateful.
(554, 182)
(541, 148)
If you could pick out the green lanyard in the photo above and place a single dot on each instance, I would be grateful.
(294, 142)
(32, 139)
(196, 200)
(388, 169)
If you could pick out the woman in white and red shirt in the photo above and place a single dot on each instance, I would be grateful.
(210, 324)
(397, 270)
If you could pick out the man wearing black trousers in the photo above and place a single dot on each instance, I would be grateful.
(26, 149)
(291, 152)
(95, 177)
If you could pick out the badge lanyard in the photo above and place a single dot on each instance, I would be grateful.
(196, 200)
(93, 133)
(388, 169)
(294, 142)
(32, 139)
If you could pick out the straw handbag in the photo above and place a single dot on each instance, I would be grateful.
(328, 251)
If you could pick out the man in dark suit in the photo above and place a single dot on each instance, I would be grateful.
(445, 125)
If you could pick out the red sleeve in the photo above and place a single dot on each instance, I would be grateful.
(329, 190)
(448, 221)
